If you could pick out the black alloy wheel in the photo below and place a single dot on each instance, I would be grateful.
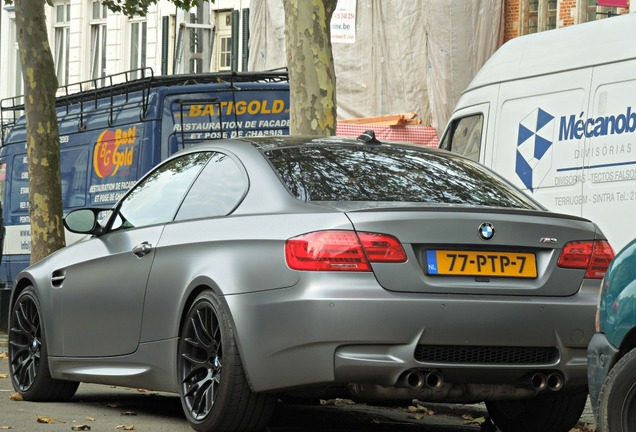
(28, 359)
(215, 394)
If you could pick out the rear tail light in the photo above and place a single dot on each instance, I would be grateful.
(341, 251)
(594, 256)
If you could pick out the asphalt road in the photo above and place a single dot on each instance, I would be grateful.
(106, 408)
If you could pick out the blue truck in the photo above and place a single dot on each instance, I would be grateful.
(112, 131)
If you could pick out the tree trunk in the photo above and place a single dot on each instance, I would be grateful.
(312, 77)
(43, 144)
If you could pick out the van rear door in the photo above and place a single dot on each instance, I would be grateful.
(537, 145)
(609, 159)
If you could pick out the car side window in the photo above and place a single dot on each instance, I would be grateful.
(156, 199)
(217, 191)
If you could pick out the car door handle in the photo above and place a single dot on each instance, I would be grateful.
(142, 249)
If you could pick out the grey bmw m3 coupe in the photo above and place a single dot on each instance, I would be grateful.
(239, 273)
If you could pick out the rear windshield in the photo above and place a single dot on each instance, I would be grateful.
(390, 174)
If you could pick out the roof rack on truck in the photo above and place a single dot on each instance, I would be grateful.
(85, 96)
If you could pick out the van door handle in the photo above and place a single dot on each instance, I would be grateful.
(142, 249)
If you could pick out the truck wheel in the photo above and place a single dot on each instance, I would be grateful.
(547, 412)
(215, 394)
(617, 400)
(28, 359)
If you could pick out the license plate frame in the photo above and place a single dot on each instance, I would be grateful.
(442, 262)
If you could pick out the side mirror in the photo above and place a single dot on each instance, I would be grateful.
(84, 221)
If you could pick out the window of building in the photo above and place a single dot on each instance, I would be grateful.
(17, 80)
(98, 40)
(540, 15)
(62, 24)
(223, 56)
(225, 53)
(138, 42)
(594, 12)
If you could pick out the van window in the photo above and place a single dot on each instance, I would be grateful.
(74, 171)
(464, 136)
(3, 179)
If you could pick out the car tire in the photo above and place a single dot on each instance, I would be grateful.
(215, 394)
(617, 399)
(547, 412)
(28, 353)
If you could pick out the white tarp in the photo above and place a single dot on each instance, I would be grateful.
(407, 56)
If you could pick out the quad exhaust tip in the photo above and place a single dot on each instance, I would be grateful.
(553, 381)
(417, 379)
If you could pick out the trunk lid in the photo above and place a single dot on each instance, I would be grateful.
(428, 233)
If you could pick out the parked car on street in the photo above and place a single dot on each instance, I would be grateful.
(612, 350)
(239, 272)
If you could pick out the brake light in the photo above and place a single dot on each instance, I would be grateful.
(593, 255)
(341, 251)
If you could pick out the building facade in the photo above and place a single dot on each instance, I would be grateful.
(530, 16)
(89, 42)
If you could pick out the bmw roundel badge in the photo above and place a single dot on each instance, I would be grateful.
(486, 231)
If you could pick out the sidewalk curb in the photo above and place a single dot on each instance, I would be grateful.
(4, 344)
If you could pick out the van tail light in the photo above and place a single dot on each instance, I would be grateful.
(594, 256)
(342, 251)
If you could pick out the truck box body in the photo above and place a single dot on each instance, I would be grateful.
(555, 112)
(111, 136)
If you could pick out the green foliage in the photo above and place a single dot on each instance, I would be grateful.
(133, 8)
(140, 7)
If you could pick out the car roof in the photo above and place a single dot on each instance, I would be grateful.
(265, 143)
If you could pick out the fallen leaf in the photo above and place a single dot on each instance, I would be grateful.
(81, 428)
(90, 418)
(6, 427)
(125, 427)
(4, 376)
(420, 409)
(3, 355)
(15, 396)
(469, 420)
(47, 420)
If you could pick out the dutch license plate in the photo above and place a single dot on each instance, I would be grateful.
(481, 263)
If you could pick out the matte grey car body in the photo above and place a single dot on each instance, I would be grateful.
(210, 255)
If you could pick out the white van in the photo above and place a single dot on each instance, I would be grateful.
(555, 113)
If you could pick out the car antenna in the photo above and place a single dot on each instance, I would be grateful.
(368, 137)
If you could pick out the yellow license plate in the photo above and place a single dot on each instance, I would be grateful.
(481, 263)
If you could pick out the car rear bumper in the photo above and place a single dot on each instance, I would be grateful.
(601, 355)
(353, 331)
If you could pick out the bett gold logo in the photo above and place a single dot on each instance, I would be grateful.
(114, 149)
